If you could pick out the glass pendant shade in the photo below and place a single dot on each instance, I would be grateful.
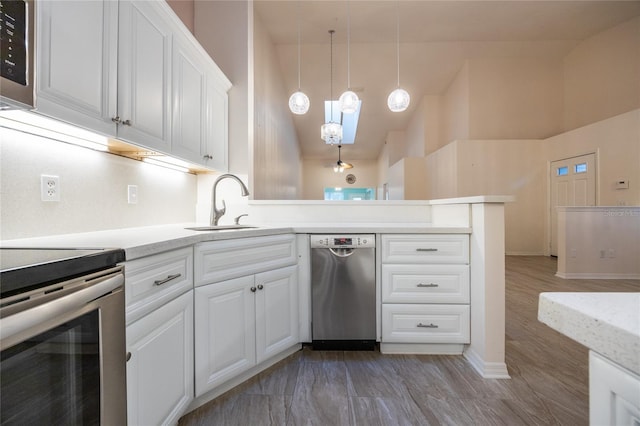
(348, 102)
(299, 103)
(398, 100)
(331, 132)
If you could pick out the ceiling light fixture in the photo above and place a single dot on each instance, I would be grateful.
(348, 100)
(299, 102)
(331, 132)
(341, 165)
(399, 99)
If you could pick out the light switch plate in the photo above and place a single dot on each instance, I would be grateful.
(49, 188)
(132, 194)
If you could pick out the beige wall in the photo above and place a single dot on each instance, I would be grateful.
(514, 98)
(455, 108)
(602, 76)
(224, 29)
(318, 174)
(616, 142)
(406, 179)
(277, 171)
(442, 174)
(185, 11)
(93, 188)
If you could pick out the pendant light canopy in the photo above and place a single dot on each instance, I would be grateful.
(299, 102)
(399, 99)
(348, 100)
(331, 132)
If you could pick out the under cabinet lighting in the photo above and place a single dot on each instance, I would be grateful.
(28, 122)
(162, 163)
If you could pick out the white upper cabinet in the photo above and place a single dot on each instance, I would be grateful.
(199, 116)
(77, 62)
(131, 70)
(144, 75)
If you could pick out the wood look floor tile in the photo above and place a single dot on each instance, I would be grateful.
(549, 375)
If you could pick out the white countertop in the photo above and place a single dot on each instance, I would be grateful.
(149, 240)
(606, 323)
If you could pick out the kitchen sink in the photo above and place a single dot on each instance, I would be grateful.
(219, 227)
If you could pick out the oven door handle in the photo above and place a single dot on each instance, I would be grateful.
(22, 321)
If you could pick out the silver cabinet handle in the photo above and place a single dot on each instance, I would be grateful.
(260, 286)
(166, 280)
(426, 249)
(116, 120)
(253, 289)
(128, 356)
(126, 123)
(207, 157)
(427, 285)
(431, 325)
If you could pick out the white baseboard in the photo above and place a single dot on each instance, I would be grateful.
(421, 348)
(524, 253)
(597, 276)
(488, 370)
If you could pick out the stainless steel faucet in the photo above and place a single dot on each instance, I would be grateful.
(215, 213)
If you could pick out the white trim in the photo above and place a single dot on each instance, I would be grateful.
(524, 253)
(488, 370)
(421, 348)
(597, 276)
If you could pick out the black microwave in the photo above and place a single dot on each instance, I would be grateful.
(17, 50)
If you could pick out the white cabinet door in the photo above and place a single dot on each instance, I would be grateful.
(189, 102)
(144, 75)
(77, 62)
(276, 311)
(199, 117)
(160, 371)
(224, 331)
(614, 393)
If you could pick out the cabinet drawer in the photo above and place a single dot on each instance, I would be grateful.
(425, 283)
(222, 260)
(431, 248)
(153, 281)
(425, 323)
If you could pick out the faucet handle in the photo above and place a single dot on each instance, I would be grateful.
(237, 219)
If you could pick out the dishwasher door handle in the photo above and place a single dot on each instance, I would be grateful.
(342, 252)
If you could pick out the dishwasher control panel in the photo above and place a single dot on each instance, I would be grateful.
(343, 241)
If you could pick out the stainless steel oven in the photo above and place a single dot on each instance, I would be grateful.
(17, 54)
(62, 337)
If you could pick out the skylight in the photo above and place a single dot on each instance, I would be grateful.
(349, 121)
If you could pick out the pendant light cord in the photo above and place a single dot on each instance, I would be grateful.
(331, 74)
(348, 46)
(398, 38)
(298, 13)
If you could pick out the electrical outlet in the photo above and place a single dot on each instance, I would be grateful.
(132, 194)
(49, 188)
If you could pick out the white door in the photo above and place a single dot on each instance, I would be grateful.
(276, 311)
(225, 324)
(573, 183)
(77, 62)
(160, 371)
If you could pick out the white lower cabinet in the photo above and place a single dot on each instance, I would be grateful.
(160, 370)
(425, 282)
(614, 393)
(241, 322)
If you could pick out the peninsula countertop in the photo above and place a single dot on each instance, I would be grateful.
(606, 323)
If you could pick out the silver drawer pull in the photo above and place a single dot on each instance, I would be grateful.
(421, 325)
(427, 285)
(166, 280)
(426, 249)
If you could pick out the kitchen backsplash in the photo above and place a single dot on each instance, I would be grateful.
(93, 189)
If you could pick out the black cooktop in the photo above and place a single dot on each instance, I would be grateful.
(24, 269)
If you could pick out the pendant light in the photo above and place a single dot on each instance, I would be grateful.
(399, 99)
(331, 132)
(348, 100)
(299, 102)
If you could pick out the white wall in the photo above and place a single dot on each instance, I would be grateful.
(93, 189)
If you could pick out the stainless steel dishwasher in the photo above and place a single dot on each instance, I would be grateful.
(343, 292)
